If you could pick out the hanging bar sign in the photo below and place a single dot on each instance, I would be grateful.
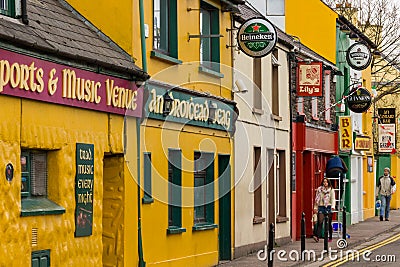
(84, 189)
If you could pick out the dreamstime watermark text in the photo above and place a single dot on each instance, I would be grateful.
(330, 254)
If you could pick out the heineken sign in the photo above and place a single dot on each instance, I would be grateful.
(358, 56)
(257, 37)
(359, 100)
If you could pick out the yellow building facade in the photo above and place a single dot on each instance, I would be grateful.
(186, 148)
(384, 80)
(303, 20)
(66, 109)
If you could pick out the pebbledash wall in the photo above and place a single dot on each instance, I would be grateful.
(65, 125)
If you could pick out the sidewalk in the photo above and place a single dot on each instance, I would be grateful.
(359, 233)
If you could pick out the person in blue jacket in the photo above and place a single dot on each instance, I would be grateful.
(335, 166)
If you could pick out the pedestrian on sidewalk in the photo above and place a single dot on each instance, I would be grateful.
(336, 167)
(385, 188)
(323, 205)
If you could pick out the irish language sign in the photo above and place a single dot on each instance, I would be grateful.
(84, 185)
(28, 77)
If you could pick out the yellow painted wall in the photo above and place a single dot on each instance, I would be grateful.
(389, 74)
(37, 125)
(192, 248)
(114, 18)
(368, 179)
(120, 21)
(395, 173)
(315, 24)
(187, 73)
(187, 249)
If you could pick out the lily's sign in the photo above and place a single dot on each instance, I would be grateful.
(190, 109)
(32, 78)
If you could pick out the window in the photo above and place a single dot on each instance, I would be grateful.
(257, 91)
(257, 187)
(209, 42)
(281, 184)
(327, 89)
(174, 192)
(300, 105)
(203, 191)
(314, 108)
(41, 258)
(147, 198)
(33, 174)
(165, 27)
(7, 7)
(275, 83)
(34, 180)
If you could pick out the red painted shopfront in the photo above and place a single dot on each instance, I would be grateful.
(312, 147)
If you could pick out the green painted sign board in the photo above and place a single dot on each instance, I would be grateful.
(84, 185)
(190, 109)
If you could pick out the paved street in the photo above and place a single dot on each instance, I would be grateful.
(362, 235)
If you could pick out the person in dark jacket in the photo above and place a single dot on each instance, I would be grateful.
(335, 166)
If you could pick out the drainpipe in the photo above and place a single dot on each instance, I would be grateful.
(142, 263)
(24, 13)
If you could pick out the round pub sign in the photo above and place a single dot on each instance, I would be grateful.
(257, 37)
(359, 101)
(358, 56)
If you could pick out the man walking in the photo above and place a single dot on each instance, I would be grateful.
(385, 188)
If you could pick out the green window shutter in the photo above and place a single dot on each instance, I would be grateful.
(215, 42)
(174, 187)
(39, 174)
(173, 29)
(204, 187)
(165, 25)
(147, 175)
(209, 48)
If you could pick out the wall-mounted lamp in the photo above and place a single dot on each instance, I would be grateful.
(308, 60)
(345, 29)
(213, 109)
(167, 107)
(241, 87)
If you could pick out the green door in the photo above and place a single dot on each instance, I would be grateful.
(224, 189)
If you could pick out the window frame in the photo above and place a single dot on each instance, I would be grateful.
(275, 82)
(10, 12)
(213, 49)
(257, 84)
(327, 91)
(174, 171)
(34, 205)
(171, 36)
(281, 179)
(208, 190)
(147, 179)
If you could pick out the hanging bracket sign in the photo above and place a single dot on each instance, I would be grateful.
(359, 101)
(257, 37)
(358, 56)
